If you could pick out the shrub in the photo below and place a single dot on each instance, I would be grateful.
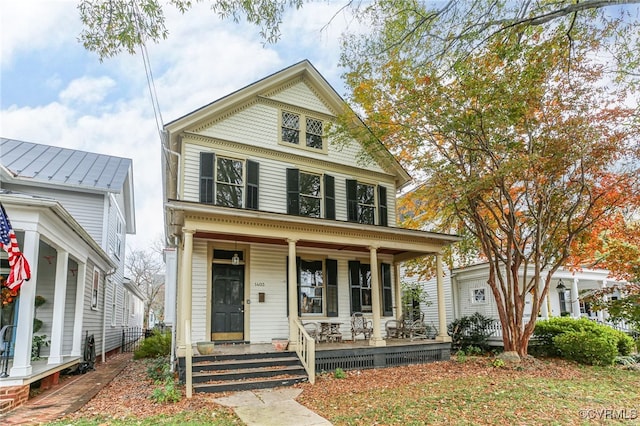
(169, 392)
(158, 344)
(586, 348)
(340, 374)
(547, 330)
(473, 330)
(473, 351)
(158, 369)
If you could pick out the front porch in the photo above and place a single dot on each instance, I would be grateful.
(254, 362)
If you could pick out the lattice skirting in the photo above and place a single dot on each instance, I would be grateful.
(381, 357)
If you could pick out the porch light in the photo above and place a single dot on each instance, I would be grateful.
(560, 287)
(235, 259)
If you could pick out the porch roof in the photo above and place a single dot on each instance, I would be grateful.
(223, 223)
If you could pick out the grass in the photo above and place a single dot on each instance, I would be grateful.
(192, 418)
(495, 400)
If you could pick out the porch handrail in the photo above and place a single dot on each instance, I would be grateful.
(306, 350)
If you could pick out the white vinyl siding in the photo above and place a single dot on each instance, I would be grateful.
(431, 311)
(70, 307)
(272, 190)
(301, 95)
(200, 294)
(268, 266)
(468, 306)
(259, 125)
(86, 208)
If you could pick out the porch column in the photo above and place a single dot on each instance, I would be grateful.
(544, 303)
(575, 301)
(376, 338)
(442, 309)
(398, 290)
(292, 286)
(185, 288)
(601, 312)
(22, 353)
(544, 310)
(81, 274)
(59, 302)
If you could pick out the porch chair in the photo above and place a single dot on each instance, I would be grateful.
(416, 328)
(312, 329)
(394, 328)
(360, 325)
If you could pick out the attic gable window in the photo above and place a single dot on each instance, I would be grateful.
(312, 129)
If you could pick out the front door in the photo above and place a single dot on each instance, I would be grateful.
(227, 318)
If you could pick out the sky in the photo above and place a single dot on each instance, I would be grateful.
(54, 92)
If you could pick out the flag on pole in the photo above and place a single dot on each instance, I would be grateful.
(20, 270)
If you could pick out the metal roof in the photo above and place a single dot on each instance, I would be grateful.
(63, 166)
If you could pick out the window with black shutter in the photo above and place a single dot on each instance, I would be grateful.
(207, 180)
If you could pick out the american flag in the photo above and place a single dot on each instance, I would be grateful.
(20, 270)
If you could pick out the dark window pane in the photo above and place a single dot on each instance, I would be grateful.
(229, 171)
(229, 195)
(310, 184)
(309, 206)
(314, 141)
(366, 215)
(314, 133)
(366, 194)
(291, 136)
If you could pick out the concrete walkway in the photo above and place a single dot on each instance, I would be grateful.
(272, 408)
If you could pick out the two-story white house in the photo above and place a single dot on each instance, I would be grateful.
(276, 224)
(71, 211)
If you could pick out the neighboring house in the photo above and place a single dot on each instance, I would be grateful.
(71, 211)
(471, 293)
(133, 306)
(273, 222)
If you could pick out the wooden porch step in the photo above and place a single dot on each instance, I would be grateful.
(247, 373)
(235, 386)
(244, 363)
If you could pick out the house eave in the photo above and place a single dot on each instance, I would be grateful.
(214, 222)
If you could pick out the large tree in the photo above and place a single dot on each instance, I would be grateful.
(522, 142)
(114, 26)
(145, 269)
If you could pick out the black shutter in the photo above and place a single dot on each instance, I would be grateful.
(382, 205)
(354, 282)
(298, 260)
(207, 177)
(252, 185)
(329, 197)
(293, 191)
(352, 200)
(332, 287)
(387, 303)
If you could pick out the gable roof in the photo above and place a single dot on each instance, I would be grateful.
(30, 163)
(63, 166)
(310, 74)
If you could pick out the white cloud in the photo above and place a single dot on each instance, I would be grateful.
(86, 90)
(34, 25)
(203, 59)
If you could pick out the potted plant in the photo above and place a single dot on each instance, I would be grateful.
(37, 324)
(36, 344)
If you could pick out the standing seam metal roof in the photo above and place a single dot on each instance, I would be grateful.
(63, 166)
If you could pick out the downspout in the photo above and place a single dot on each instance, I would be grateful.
(104, 321)
(103, 354)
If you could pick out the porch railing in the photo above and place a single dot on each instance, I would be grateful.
(306, 350)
